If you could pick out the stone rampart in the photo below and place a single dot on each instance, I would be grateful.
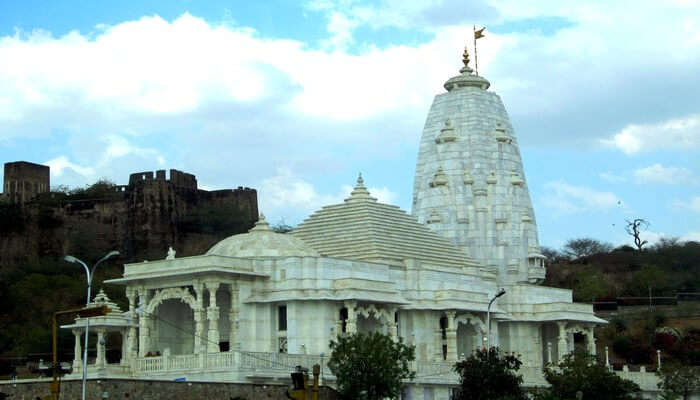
(145, 217)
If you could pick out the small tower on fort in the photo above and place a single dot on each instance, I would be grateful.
(24, 181)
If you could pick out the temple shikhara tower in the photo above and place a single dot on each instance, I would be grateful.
(470, 185)
(258, 304)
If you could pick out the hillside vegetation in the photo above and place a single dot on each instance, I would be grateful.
(656, 288)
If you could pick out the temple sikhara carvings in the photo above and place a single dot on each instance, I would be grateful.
(257, 304)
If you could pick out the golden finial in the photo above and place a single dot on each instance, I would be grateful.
(465, 57)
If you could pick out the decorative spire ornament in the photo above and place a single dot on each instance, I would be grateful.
(465, 57)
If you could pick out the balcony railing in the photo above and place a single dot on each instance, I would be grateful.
(263, 364)
(244, 360)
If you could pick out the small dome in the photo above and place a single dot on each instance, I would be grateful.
(261, 241)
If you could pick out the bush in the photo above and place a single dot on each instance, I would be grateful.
(488, 375)
(664, 341)
(619, 324)
(622, 345)
(370, 366)
(580, 372)
(640, 354)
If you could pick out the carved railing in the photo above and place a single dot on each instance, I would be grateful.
(244, 360)
(436, 371)
(441, 372)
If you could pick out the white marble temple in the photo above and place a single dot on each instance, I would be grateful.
(258, 304)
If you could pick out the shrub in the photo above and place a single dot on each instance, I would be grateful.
(622, 345)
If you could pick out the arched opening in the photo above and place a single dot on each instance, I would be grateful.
(443, 336)
(343, 317)
(370, 324)
(175, 328)
(466, 341)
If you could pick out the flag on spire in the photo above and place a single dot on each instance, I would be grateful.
(479, 34)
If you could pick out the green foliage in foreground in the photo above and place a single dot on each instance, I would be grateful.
(679, 381)
(490, 375)
(370, 366)
(579, 371)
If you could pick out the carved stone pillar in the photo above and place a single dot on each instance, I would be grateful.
(392, 325)
(438, 345)
(144, 323)
(549, 353)
(590, 335)
(234, 342)
(495, 342)
(101, 344)
(77, 349)
(213, 319)
(198, 317)
(130, 351)
(562, 346)
(124, 360)
(570, 341)
(352, 317)
(451, 333)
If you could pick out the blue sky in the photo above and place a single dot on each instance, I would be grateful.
(295, 98)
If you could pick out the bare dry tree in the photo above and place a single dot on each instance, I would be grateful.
(634, 228)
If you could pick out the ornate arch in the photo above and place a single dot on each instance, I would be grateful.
(577, 329)
(172, 293)
(471, 319)
(379, 313)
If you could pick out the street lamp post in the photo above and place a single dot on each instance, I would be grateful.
(500, 293)
(90, 273)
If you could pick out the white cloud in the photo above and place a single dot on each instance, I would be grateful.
(287, 193)
(151, 67)
(563, 198)
(653, 237)
(288, 197)
(691, 237)
(59, 165)
(105, 153)
(657, 173)
(691, 205)
(680, 134)
(118, 147)
(383, 195)
(611, 177)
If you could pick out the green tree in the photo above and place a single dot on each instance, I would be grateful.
(650, 276)
(679, 380)
(584, 247)
(579, 371)
(591, 284)
(489, 375)
(370, 366)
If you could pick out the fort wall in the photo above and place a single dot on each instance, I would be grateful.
(154, 211)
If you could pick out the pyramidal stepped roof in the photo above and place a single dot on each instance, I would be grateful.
(363, 229)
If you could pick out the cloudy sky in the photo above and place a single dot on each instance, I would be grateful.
(295, 98)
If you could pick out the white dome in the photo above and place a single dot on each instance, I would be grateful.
(261, 241)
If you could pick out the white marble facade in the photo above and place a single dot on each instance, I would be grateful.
(258, 304)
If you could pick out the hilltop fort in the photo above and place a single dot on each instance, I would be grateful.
(153, 211)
